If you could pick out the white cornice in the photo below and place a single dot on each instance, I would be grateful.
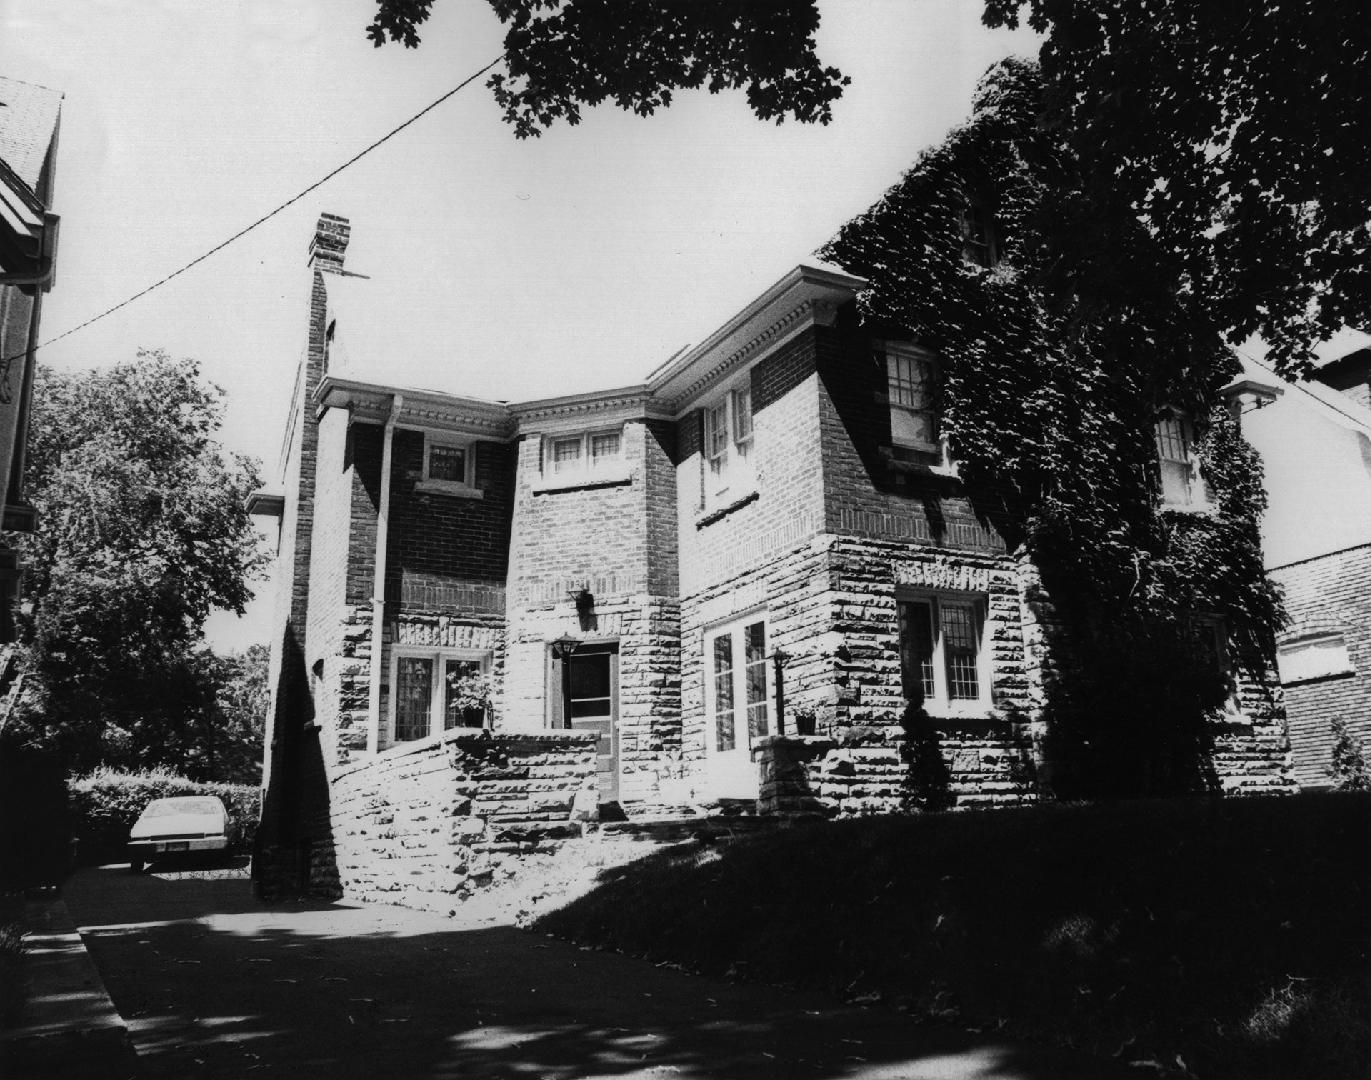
(586, 410)
(807, 296)
(426, 409)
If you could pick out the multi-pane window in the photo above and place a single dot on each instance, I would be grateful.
(941, 649)
(738, 702)
(728, 437)
(566, 454)
(446, 462)
(585, 452)
(1209, 633)
(1179, 467)
(912, 388)
(435, 691)
(979, 243)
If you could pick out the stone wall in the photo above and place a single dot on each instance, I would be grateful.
(860, 771)
(429, 823)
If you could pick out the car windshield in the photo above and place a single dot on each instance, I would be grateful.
(189, 804)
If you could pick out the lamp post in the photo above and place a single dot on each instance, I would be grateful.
(562, 648)
(780, 659)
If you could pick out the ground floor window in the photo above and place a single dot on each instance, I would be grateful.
(434, 690)
(942, 642)
(737, 691)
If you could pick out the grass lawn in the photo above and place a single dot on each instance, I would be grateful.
(1223, 937)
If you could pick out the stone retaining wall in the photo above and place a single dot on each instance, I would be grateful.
(859, 772)
(429, 823)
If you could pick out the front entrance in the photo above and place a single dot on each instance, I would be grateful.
(594, 692)
(737, 713)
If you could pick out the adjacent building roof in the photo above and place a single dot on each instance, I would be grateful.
(28, 123)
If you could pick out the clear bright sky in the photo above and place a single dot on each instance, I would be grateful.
(513, 270)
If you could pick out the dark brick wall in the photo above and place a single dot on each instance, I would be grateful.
(867, 491)
(437, 535)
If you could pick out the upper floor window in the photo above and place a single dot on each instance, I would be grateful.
(1181, 483)
(979, 242)
(912, 389)
(942, 650)
(728, 439)
(435, 690)
(567, 455)
(448, 462)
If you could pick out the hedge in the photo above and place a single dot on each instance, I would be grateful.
(105, 804)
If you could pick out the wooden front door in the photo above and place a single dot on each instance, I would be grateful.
(595, 707)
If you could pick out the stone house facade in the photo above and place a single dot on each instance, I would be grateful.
(730, 578)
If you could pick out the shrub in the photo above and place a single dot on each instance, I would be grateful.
(106, 803)
(1348, 768)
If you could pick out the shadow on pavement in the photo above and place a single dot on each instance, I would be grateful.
(216, 984)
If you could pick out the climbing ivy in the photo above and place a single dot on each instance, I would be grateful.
(1050, 398)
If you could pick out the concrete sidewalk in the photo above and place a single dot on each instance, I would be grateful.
(215, 984)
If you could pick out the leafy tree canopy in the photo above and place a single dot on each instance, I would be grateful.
(562, 54)
(142, 533)
(1050, 400)
(1235, 131)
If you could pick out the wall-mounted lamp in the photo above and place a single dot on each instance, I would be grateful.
(584, 600)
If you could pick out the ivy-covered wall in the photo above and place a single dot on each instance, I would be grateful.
(1050, 403)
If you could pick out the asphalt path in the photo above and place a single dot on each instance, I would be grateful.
(214, 983)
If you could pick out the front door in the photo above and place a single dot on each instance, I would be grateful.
(595, 707)
(736, 704)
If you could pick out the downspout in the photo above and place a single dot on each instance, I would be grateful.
(378, 581)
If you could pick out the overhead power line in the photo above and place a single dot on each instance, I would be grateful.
(264, 218)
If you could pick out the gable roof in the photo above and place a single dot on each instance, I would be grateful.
(28, 124)
(1336, 405)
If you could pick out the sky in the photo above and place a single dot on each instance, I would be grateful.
(510, 269)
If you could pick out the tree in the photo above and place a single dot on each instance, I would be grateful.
(1235, 131)
(1049, 400)
(562, 54)
(143, 531)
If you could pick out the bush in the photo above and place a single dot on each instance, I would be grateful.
(106, 803)
(12, 949)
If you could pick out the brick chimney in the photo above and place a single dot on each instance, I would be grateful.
(330, 243)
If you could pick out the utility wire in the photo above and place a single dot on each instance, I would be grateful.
(6, 361)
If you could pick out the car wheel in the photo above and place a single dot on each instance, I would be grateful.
(135, 866)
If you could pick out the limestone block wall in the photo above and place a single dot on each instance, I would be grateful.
(860, 771)
(429, 823)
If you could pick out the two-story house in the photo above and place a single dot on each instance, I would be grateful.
(734, 575)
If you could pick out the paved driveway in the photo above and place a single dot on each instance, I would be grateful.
(215, 984)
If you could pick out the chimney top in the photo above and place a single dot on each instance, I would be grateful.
(330, 243)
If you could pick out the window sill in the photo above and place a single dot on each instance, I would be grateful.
(1323, 676)
(448, 487)
(919, 462)
(581, 480)
(718, 513)
(1198, 509)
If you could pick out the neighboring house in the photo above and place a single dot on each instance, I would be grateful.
(734, 576)
(29, 118)
(1314, 438)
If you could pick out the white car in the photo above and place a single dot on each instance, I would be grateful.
(177, 826)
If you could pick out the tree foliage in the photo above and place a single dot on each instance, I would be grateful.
(562, 54)
(1236, 132)
(1050, 402)
(142, 533)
